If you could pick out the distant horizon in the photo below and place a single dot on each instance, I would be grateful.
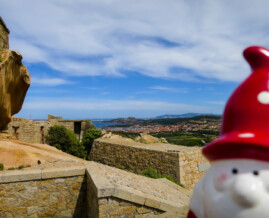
(96, 119)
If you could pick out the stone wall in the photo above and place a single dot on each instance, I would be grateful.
(117, 193)
(55, 197)
(35, 131)
(192, 166)
(135, 159)
(185, 164)
(115, 207)
(4, 44)
(88, 190)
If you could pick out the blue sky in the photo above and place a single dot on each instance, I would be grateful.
(143, 58)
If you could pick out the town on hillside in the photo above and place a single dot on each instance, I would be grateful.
(193, 131)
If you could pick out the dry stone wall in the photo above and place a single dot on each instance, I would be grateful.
(115, 207)
(185, 164)
(192, 166)
(88, 190)
(59, 197)
(136, 159)
(35, 131)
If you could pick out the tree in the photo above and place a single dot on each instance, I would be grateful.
(89, 125)
(89, 136)
(65, 140)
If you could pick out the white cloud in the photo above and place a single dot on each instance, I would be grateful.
(169, 89)
(49, 81)
(109, 105)
(107, 37)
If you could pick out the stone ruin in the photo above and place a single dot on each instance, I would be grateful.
(14, 79)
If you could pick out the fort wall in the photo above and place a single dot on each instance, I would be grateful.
(35, 131)
(88, 191)
(58, 194)
(185, 164)
(136, 159)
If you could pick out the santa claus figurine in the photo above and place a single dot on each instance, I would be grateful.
(237, 183)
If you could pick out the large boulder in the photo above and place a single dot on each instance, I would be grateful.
(14, 83)
(148, 139)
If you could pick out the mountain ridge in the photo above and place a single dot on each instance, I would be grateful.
(186, 115)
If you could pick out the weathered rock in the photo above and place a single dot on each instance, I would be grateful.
(14, 83)
(4, 35)
(147, 139)
(163, 140)
(110, 135)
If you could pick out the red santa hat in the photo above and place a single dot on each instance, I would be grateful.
(245, 122)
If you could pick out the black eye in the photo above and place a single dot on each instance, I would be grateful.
(255, 172)
(234, 171)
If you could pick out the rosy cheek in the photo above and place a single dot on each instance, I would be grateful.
(220, 182)
(222, 177)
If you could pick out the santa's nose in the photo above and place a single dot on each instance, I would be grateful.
(247, 190)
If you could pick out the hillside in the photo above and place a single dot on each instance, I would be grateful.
(187, 115)
(164, 121)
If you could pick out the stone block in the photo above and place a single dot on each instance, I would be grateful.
(62, 172)
(122, 194)
(152, 202)
(169, 207)
(18, 176)
(142, 210)
(129, 209)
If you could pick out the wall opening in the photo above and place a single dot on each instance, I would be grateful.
(42, 140)
(77, 127)
(15, 132)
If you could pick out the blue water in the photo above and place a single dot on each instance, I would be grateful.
(99, 124)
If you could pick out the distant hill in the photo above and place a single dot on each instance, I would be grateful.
(187, 115)
(125, 122)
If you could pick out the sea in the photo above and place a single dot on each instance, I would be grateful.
(98, 123)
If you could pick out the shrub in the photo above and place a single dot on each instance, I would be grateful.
(121, 167)
(65, 140)
(152, 173)
(21, 167)
(1, 167)
(89, 136)
(89, 125)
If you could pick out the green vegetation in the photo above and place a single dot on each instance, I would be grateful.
(89, 125)
(121, 167)
(184, 138)
(89, 136)
(21, 167)
(173, 121)
(65, 140)
(152, 173)
(1, 167)
(199, 138)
